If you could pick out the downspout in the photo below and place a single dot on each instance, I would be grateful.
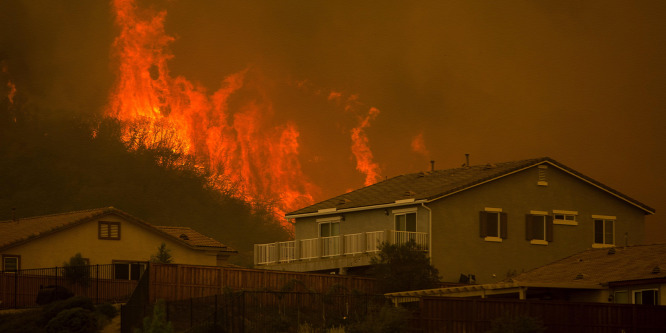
(429, 231)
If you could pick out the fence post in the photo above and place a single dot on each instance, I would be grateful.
(97, 284)
(191, 314)
(215, 313)
(18, 271)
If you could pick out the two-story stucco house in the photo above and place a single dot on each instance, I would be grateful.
(478, 223)
(102, 236)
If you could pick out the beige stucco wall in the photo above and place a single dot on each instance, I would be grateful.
(458, 248)
(136, 243)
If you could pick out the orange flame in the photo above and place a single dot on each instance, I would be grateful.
(10, 85)
(258, 158)
(362, 151)
(418, 145)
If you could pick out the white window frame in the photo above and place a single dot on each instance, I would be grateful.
(4, 263)
(398, 212)
(328, 220)
(545, 228)
(141, 264)
(565, 214)
(634, 292)
(604, 219)
(498, 238)
(623, 291)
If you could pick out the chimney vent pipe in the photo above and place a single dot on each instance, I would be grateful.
(466, 159)
(432, 165)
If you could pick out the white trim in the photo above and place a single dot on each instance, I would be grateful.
(493, 239)
(542, 183)
(404, 211)
(327, 210)
(356, 209)
(494, 210)
(543, 166)
(329, 219)
(538, 212)
(604, 217)
(602, 246)
(404, 200)
(565, 222)
(539, 242)
(565, 212)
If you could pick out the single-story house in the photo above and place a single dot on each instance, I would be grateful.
(624, 275)
(102, 236)
(478, 223)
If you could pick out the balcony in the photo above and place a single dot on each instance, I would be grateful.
(364, 243)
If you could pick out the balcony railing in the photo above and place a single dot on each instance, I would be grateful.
(328, 247)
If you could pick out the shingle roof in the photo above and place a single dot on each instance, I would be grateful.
(432, 185)
(14, 232)
(191, 236)
(600, 266)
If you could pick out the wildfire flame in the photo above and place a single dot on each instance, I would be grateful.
(362, 151)
(242, 146)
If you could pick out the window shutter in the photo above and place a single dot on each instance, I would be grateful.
(103, 230)
(529, 227)
(549, 228)
(503, 225)
(483, 225)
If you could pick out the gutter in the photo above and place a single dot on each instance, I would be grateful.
(332, 211)
(429, 231)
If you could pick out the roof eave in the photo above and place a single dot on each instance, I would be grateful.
(355, 209)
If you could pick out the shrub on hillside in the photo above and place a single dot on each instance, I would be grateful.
(74, 320)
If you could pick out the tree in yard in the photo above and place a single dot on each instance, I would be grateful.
(401, 267)
(163, 255)
(77, 269)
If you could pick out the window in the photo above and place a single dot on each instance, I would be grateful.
(329, 229)
(604, 230)
(108, 230)
(493, 225)
(11, 263)
(127, 270)
(539, 228)
(543, 181)
(646, 297)
(565, 217)
(621, 297)
(405, 222)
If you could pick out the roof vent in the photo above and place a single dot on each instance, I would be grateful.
(611, 250)
(184, 237)
(409, 193)
(489, 166)
(343, 201)
(656, 270)
(580, 276)
(421, 174)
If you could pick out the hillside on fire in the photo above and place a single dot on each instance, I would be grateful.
(54, 164)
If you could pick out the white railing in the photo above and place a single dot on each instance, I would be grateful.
(354, 243)
(420, 238)
(326, 247)
(373, 239)
(330, 246)
(287, 251)
(265, 253)
(310, 248)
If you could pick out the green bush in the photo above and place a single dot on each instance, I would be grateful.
(107, 309)
(77, 270)
(53, 309)
(387, 319)
(21, 321)
(74, 320)
(158, 322)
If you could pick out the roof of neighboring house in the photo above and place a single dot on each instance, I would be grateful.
(590, 269)
(601, 266)
(19, 231)
(433, 185)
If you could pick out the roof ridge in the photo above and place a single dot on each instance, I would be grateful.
(102, 209)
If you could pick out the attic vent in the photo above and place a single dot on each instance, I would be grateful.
(343, 201)
(489, 166)
(409, 193)
(656, 270)
(421, 174)
(543, 181)
(611, 250)
(580, 276)
(184, 237)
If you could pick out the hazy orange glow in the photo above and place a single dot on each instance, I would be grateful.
(242, 146)
(419, 146)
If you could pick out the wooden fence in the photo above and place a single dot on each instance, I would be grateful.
(20, 289)
(177, 282)
(439, 314)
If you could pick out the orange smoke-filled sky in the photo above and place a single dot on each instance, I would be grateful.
(581, 82)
